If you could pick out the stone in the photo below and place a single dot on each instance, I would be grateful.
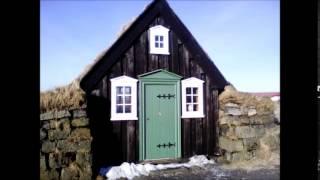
(47, 116)
(46, 125)
(70, 146)
(228, 132)
(62, 114)
(80, 122)
(234, 120)
(61, 131)
(55, 160)
(49, 175)
(43, 163)
(83, 159)
(60, 124)
(249, 131)
(231, 105)
(80, 134)
(58, 134)
(262, 119)
(232, 109)
(48, 147)
(79, 113)
(244, 120)
(86, 173)
(221, 114)
(44, 174)
(273, 142)
(241, 156)
(250, 143)
(70, 173)
(252, 112)
(230, 145)
(43, 134)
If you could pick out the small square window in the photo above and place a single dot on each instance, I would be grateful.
(127, 90)
(119, 90)
(128, 109)
(119, 100)
(195, 99)
(195, 107)
(189, 107)
(188, 90)
(188, 99)
(161, 45)
(161, 38)
(157, 44)
(157, 38)
(195, 90)
(127, 99)
(119, 108)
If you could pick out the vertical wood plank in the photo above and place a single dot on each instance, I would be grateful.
(204, 120)
(208, 115)
(116, 71)
(174, 53)
(128, 127)
(186, 138)
(141, 53)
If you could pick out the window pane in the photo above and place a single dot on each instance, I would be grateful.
(119, 109)
(195, 90)
(189, 107)
(157, 45)
(127, 90)
(161, 38)
(161, 45)
(188, 90)
(188, 99)
(128, 109)
(119, 90)
(127, 99)
(157, 38)
(195, 99)
(119, 100)
(195, 107)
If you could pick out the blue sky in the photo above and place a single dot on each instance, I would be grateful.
(241, 37)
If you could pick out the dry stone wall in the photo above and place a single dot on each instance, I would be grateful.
(65, 148)
(248, 126)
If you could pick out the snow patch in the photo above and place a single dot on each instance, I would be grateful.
(275, 98)
(130, 170)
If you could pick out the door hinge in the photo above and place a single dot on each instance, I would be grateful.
(166, 96)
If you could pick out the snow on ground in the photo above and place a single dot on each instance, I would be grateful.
(275, 98)
(131, 170)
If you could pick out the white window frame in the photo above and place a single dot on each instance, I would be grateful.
(193, 83)
(124, 81)
(159, 30)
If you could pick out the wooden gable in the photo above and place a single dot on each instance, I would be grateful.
(157, 13)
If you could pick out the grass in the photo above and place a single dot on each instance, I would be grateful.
(65, 97)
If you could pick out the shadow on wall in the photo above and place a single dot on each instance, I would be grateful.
(106, 146)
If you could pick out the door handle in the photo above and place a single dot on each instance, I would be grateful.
(148, 119)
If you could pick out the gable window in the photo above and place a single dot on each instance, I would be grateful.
(192, 98)
(159, 43)
(123, 98)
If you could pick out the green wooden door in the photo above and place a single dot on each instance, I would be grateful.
(159, 115)
(161, 126)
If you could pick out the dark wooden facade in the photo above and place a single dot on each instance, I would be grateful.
(187, 59)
